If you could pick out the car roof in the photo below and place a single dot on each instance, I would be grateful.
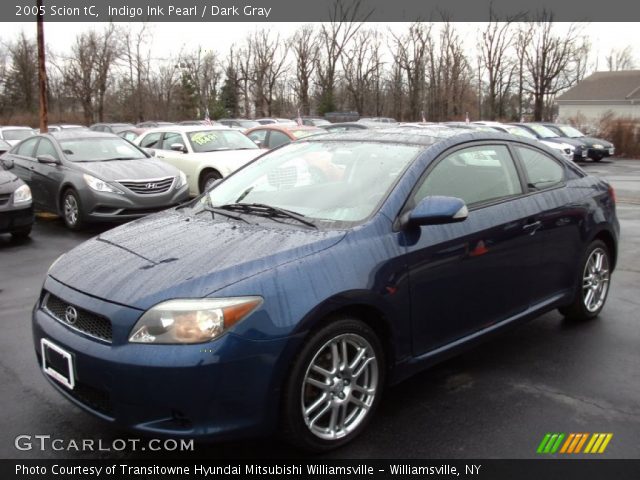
(187, 128)
(12, 127)
(78, 134)
(424, 136)
(286, 127)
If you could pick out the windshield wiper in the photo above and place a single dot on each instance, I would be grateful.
(269, 211)
(214, 210)
(121, 158)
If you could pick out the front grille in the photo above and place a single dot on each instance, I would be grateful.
(148, 187)
(85, 322)
(4, 198)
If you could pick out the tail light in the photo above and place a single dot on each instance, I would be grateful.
(612, 193)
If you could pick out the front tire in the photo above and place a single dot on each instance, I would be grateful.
(208, 180)
(72, 210)
(334, 387)
(593, 283)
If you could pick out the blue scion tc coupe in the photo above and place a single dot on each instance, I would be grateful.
(286, 297)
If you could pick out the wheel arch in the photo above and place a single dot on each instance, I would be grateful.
(608, 238)
(205, 170)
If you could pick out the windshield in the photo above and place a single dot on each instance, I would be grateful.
(520, 132)
(17, 133)
(330, 181)
(212, 140)
(571, 132)
(98, 149)
(543, 132)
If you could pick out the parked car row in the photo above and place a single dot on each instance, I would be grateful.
(66, 173)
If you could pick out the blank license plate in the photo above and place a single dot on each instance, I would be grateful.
(57, 363)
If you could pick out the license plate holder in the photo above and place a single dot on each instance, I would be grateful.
(57, 363)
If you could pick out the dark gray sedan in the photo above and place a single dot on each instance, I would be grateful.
(89, 176)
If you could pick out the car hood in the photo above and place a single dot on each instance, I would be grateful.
(575, 142)
(179, 255)
(146, 168)
(8, 181)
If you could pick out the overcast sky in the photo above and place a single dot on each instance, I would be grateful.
(170, 38)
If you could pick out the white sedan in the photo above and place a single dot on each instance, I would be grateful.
(204, 154)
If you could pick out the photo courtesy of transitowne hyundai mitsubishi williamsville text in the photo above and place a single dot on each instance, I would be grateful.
(199, 11)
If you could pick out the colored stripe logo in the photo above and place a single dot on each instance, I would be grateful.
(574, 443)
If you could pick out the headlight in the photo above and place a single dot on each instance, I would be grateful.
(598, 146)
(182, 180)
(100, 185)
(191, 320)
(22, 195)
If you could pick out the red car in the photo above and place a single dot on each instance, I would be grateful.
(274, 135)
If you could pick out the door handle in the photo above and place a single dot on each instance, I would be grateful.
(532, 227)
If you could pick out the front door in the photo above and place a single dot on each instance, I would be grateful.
(469, 275)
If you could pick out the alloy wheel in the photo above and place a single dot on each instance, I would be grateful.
(595, 280)
(339, 386)
(71, 209)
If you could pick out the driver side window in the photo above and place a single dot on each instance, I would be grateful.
(476, 175)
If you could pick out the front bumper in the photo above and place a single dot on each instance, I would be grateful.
(16, 219)
(220, 389)
(598, 153)
(110, 207)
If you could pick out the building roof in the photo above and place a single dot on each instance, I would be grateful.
(615, 86)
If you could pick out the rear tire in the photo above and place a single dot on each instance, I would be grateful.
(593, 280)
(334, 386)
(72, 210)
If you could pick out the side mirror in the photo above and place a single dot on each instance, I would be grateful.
(47, 159)
(258, 143)
(437, 210)
(178, 147)
(150, 151)
(7, 163)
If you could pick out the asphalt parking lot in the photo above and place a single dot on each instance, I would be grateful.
(496, 401)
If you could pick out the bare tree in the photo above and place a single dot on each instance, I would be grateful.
(245, 57)
(138, 65)
(304, 45)
(202, 70)
(87, 72)
(360, 62)
(550, 61)
(413, 51)
(499, 65)
(267, 68)
(333, 39)
(620, 59)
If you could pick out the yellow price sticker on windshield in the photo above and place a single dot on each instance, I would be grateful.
(202, 138)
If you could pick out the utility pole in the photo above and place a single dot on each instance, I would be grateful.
(42, 72)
